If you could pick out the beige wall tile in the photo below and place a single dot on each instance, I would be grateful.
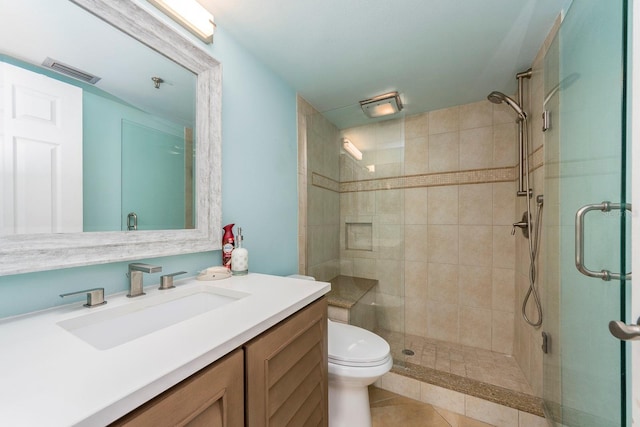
(475, 327)
(416, 243)
(536, 367)
(443, 152)
(476, 204)
(390, 275)
(502, 331)
(363, 267)
(489, 412)
(416, 158)
(443, 206)
(415, 317)
(503, 289)
(443, 283)
(443, 243)
(338, 314)
(476, 148)
(404, 386)
(390, 242)
(476, 242)
(443, 398)
(505, 145)
(416, 126)
(444, 120)
(503, 247)
(475, 115)
(416, 279)
(504, 203)
(442, 321)
(390, 312)
(389, 201)
(415, 205)
(365, 202)
(474, 283)
(502, 113)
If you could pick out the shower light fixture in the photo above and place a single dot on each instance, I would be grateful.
(351, 149)
(382, 105)
(191, 15)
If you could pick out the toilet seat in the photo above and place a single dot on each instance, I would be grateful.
(353, 346)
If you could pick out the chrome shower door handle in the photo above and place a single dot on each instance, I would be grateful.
(605, 275)
(132, 221)
(623, 331)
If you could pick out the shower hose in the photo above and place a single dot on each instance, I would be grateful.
(533, 241)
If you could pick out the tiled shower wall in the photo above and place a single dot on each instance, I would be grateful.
(319, 207)
(442, 248)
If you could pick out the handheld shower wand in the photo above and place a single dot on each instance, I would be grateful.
(499, 97)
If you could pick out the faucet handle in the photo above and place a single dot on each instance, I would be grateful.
(166, 281)
(145, 268)
(95, 296)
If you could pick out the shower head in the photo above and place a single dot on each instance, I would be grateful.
(499, 97)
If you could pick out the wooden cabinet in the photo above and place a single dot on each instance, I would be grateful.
(277, 379)
(286, 371)
(212, 397)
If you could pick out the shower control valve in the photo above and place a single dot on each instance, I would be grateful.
(523, 224)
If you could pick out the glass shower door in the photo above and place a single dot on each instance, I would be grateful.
(584, 369)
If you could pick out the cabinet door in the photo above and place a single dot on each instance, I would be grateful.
(286, 371)
(212, 397)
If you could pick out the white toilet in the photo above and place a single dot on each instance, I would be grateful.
(357, 358)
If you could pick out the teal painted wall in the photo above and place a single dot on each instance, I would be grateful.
(259, 188)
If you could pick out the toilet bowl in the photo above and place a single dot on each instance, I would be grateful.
(357, 358)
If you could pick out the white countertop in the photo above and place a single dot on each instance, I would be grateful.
(50, 377)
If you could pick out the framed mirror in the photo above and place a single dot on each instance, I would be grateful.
(21, 253)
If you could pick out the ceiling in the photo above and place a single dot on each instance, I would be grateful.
(436, 53)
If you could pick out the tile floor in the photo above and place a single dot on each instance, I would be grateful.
(477, 364)
(391, 410)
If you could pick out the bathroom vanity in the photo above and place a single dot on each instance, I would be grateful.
(240, 360)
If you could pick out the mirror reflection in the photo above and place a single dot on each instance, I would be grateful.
(96, 129)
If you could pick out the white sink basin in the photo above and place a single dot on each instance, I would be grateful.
(109, 328)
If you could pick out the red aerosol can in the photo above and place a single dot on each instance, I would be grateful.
(228, 243)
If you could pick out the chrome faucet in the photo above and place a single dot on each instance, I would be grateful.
(135, 277)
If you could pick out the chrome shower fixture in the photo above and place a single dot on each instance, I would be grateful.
(499, 97)
(382, 105)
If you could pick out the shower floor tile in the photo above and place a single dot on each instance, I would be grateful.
(477, 364)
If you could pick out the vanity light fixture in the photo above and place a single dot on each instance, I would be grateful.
(351, 149)
(382, 105)
(191, 15)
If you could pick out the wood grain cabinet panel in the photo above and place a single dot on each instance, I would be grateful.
(286, 372)
(213, 397)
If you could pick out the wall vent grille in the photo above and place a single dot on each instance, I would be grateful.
(70, 71)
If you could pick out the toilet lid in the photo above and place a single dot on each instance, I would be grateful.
(351, 345)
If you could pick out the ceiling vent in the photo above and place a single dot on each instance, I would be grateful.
(70, 71)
